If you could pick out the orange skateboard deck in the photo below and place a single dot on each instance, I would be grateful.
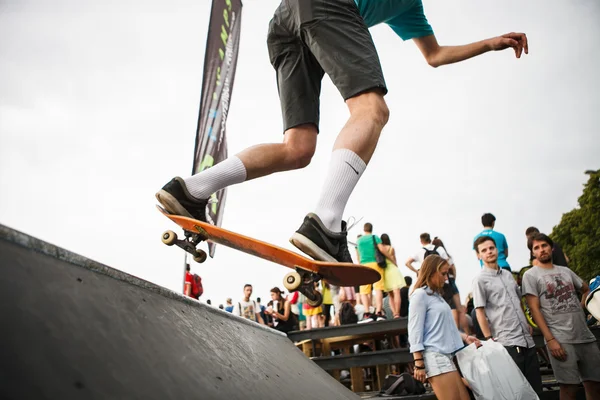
(339, 274)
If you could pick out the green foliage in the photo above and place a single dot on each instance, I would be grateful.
(579, 231)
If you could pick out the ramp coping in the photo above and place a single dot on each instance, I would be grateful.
(40, 246)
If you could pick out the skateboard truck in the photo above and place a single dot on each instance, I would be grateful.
(188, 244)
(304, 281)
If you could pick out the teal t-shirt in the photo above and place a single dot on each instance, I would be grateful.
(405, 17)
(501, 245)
(366, 248)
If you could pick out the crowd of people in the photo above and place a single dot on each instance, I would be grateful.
(439, 325)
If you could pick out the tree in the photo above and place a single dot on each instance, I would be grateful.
(579, 230)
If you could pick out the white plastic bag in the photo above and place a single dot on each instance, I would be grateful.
(492, 374)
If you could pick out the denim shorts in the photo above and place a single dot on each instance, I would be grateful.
(437, 363)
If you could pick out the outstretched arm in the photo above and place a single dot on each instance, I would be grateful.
(437, 55)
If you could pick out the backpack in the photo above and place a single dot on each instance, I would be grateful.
(401, 385)
(347, 314)
(430, 252)
(595, 283)
(197, 288)
(262, 313)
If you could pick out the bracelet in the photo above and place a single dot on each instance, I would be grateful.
(548, 341)
(418, 367)
(418, 359)
(489, 337)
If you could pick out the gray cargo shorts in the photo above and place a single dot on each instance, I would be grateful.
(308, 38)
(582, 363)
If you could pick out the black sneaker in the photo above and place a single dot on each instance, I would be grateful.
(367, 317)
(319, 242)
(176, 199)
(380, 317)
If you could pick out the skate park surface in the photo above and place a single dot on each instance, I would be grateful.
(74, 328)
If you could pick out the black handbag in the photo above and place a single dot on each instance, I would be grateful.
(381, 260)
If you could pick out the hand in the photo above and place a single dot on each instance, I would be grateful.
(518, 41)
(420, 375)
(530, 330)
(473, 339)
(557, 350)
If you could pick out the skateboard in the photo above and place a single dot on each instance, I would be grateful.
(306, 271)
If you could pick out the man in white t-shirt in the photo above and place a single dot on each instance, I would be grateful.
(247, 308)
(426, 248)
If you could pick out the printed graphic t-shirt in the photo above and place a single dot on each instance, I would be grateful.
(246, 309)
(559, 303)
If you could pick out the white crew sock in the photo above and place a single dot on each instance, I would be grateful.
(213, 179)
(345, 169)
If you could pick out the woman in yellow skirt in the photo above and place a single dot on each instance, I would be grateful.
(327, 303)
(393, 278)
(312, 314)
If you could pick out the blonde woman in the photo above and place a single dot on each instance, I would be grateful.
(432, 333)
(393, 278)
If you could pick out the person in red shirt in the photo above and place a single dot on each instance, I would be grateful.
(189, 278)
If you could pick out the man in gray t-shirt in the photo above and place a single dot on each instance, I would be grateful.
(556, 309)
(497, 301)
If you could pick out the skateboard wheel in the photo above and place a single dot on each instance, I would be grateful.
(292, 281)
(200, 256)
(169, 238)
(317, 301)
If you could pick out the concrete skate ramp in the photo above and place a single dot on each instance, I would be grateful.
(76, 329)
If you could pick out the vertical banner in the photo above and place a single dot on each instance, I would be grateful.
(220, 59)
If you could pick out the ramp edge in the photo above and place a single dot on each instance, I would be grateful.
(39, 246)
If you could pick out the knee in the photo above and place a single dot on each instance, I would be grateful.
(301, 143)
(381, 113)
(370, 105)
(301, 157)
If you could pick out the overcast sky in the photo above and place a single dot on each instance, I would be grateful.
(99, 104)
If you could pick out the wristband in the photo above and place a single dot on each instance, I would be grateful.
(418, 367)
(418, 359)
(548, 341)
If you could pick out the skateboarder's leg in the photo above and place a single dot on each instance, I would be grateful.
(299, 82)
(340, 42)
(189, 196)
(352, 151)
(295, 152)
(343, 47)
